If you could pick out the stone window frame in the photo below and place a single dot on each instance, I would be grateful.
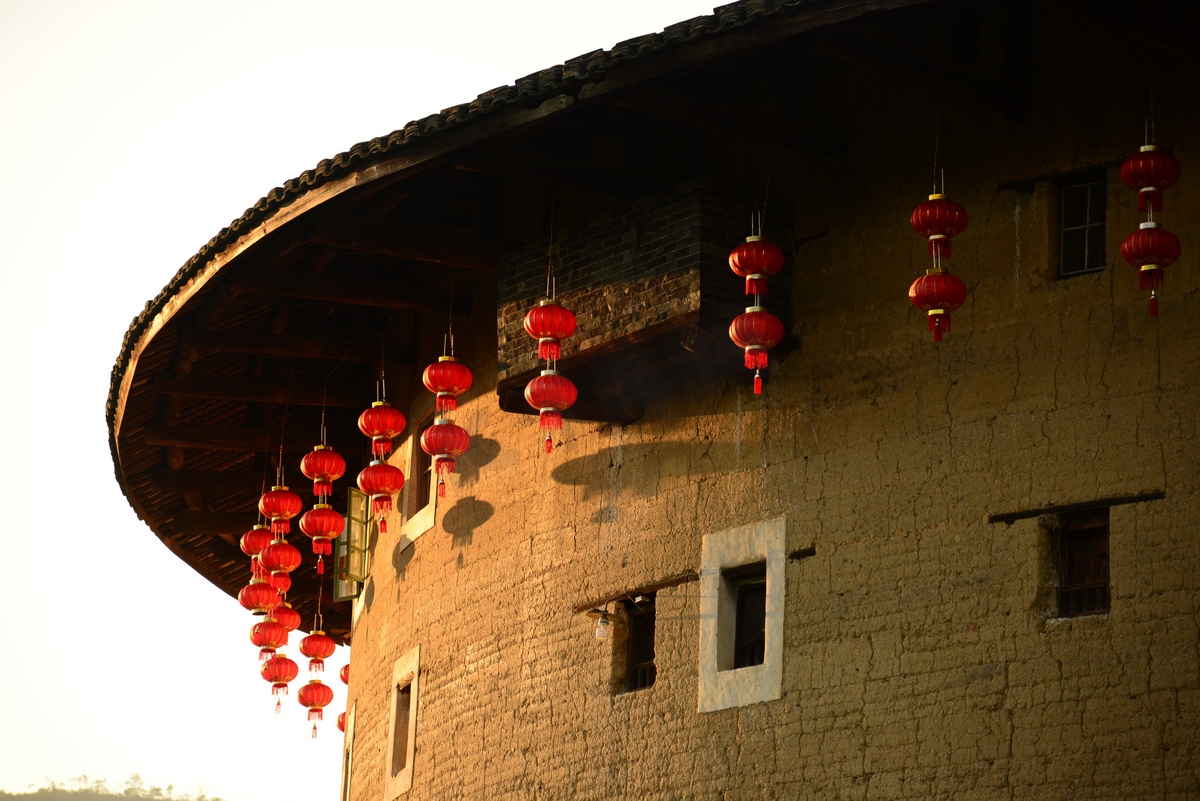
(417, 523)
(406, 673)
(348, 754)
(722, 551)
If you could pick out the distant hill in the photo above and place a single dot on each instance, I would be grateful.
(81, 789)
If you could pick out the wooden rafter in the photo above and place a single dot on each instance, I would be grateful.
(258, 392)
(427, 243)
(376, 294)
(241, 438)
(291, 345)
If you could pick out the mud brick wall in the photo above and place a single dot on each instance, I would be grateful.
(653, 261)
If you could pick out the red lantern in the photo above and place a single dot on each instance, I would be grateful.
(322, 524)
(280, 505)
(324, 466)
(756, 331)
(268, 635)
(445, 442)
(342, 722)
(447, 378)
(381, 481)
(280, 558)
(317, 647)
(1150, 248)
(939, 219)
(286, 616)
(279, 670)
(938, 293)
(551, 394)
(254, 540)
(382, 424)
(1150, 171)
(258, 596)
(756, 260)
(344, 673)
(549, 324)
(256, 569)
(315, 696)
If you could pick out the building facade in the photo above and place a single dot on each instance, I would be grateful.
(966, 569)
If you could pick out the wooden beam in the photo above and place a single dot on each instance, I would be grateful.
(376, 294)
(260, 392)
(213, 524)
(564, 178)
(429, 243)
(255, 440)
(206, 480)
(365, 349)
(708, 116)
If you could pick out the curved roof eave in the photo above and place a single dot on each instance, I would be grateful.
(425, 139)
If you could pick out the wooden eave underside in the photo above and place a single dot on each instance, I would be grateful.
(295, 315)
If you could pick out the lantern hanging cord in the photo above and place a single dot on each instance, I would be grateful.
(937, 133)
(283, 425)
(450, 316)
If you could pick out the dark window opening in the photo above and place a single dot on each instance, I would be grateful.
(1081, 552)
(423, 468)
(742, 620)
(640, 671)
(1083, 210)
(400, 729)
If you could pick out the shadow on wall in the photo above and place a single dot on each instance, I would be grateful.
(639, 468)
(466, 515)
(481, 452)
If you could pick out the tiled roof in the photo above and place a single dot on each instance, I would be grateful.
(570, 75)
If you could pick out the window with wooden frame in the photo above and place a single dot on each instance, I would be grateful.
(1083, 206)
(351, 548)
(640, 670)
(1079, 542)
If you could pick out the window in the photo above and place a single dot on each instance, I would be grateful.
(350, 550)
(419, 499)
(402, 731)
(1083, 209)
(422, 470)
(640, 671)
(748, 586)
(741, 616)
(1080, 547)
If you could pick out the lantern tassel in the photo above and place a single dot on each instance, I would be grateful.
(315, 714)
(549, 349)
(316, 665)
(381, 446)
(382, 524)
(1150, 199)
(757, 383)
(279, 525)
(1153, 304)
(322, 546)
(549, 444)
(279, 707)
(447, 402)
(322, 489)
(756, 285)
(320, 565)
(755, 359)
(1150, 279)
(550, 420)
(314, 734)
(441, 487)
(265, 653)
(381, 504)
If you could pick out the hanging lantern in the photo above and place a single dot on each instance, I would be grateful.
(315, 696)
(286, 616)
(280, 505)
(342, 722)
(382, 424)
(447, 378)
(256, 569)
(1150, 171)
(322, 524)
(317, 647)
(280, 558)
(756, 260)
(258, 596)
(551, 394)
(324, 466)
(938, 293)
(756, 331)
(268, 635)
(282, 582)
(549, 324)
(344, 674)
(939, 219)
(254, 540)
(1150, 249)
(279, 670)
(381, 481)
(445, 442)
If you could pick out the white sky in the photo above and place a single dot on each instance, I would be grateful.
(132, 132)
